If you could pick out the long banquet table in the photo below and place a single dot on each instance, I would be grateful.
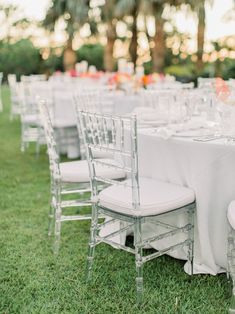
(209, 169)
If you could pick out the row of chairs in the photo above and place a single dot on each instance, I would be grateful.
(116, 191)
(58, 96)
(112, 188)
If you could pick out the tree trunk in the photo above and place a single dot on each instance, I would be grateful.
(134, 44)
(69, 56)
(201, 35)
(108, 51)
(159, 50)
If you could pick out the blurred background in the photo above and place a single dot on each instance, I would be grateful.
(186, 39)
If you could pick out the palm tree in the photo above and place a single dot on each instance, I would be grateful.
(107, 15)
(200, 33)
(198, 6)
(11, 19)
(131, 8)
(75, 14)
(159, 50)
(156, 8)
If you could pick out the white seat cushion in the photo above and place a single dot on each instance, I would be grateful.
(231, 214)
(156, 197)
(30, 119)
(78, 171)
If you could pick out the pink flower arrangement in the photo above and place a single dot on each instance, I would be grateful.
(222, 89)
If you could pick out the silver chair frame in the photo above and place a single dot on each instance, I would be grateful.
(96, 131)
(60, 188)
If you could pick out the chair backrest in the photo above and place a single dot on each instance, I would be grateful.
(99, 100)
(64, 111)
(33, 78)
(27, 99)
(117, 136)
(11, 78)
(90, 100)
(15, 91)
(50, 139)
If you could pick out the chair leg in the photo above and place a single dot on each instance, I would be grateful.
(92, 242)
(138, 260)
(24, 139)
(23, 144)
(37, 148)
(51, 217)
(191, 239)
(57, 230)
(58, 212)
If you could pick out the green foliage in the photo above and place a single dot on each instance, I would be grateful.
(182, 72)
(74, 13)
(228, 70)
(94, 54)
(148, 66)
(52, 64)
(21, 58)
(33, 280)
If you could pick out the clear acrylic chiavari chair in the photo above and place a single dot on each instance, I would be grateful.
(135, 200)
(92, 100)
(68, 179)
(15, 96)
(31, 129)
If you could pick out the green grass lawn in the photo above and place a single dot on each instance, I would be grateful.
(33, 280)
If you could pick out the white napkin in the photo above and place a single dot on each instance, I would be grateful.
(164, 132)
(173, 129)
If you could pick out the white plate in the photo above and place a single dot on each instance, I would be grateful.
(155, 123)
(194, 133)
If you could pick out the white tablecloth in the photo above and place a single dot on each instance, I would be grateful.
(207, 168)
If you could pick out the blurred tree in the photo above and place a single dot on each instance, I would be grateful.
(230, 15)
(93, 54)
(199, 7)
(52, 63)
(75, 14)
(131, 8)
(108, 17)
(156, 8)
(10, 20)
(159, 50)
(21, 58)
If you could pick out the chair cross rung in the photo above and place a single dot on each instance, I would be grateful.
(164, 251)
(75, 217)
(115, 245)
(166, 234)
(64, 192)
(75, 203)
(119, 231)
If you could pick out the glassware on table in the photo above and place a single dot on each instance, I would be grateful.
(227, 125)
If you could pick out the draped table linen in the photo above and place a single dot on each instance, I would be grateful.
(209, 169)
